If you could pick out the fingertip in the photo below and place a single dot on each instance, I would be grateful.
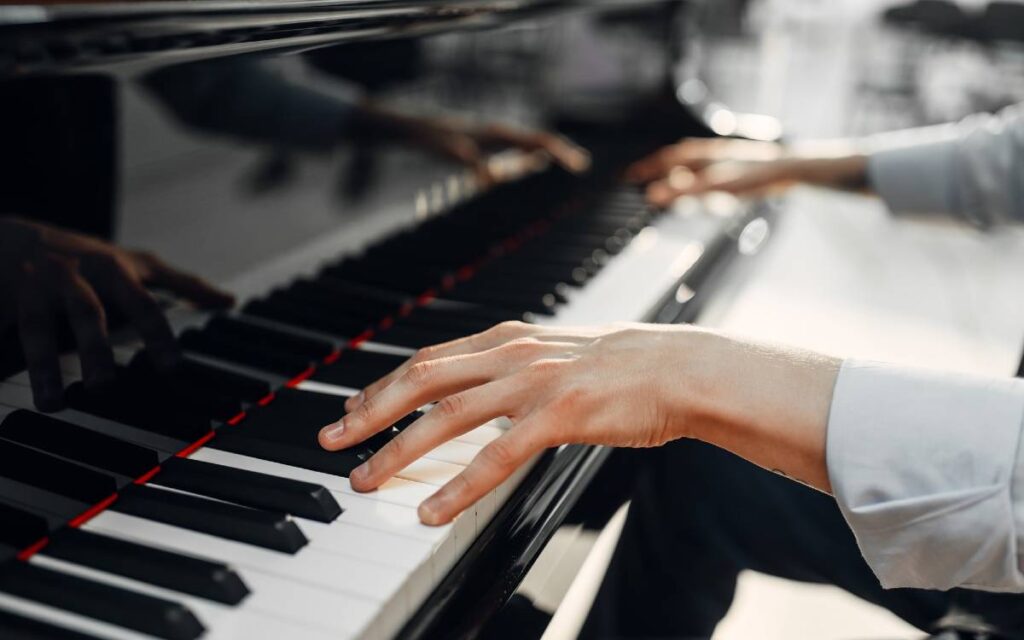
(330, 436)
(430, 514)
(360, 478)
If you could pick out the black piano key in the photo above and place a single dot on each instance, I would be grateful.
(16, 627)
(20, 528)
(311, 348)
(455, 320)
(191, 376)
(544, 304)
(48, 473)
(117, 606)
(260, 528)
(205, 403)
(500, 284)
(117, 404)
(392, 275)
(239, 350)
(356, 368)
(403, 335)
(77, 443)
(202, 578)
(291, 312)
(328, 293)
(549, 273)
(8, 552)
(57, 509)
(286, 431)
(249, 488)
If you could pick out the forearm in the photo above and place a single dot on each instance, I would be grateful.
(765, 404)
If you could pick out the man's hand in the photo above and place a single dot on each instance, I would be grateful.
(620, 385)
(46, 272)
(743, 167)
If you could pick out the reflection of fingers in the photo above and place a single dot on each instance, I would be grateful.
(492, 466)
(450, 418)
(116, 281)
(89, 324)
(190, 287)
(37, 327)
(563, 151)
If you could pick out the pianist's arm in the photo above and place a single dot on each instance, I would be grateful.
(927, 467)
(972, 170)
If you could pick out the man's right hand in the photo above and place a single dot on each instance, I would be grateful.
(741, 167)
(46, 272)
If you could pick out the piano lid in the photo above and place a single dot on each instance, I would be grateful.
(42, 37)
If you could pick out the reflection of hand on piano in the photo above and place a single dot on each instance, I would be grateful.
(625, 385)
(470, 144)
(743, 167)
(46, 272)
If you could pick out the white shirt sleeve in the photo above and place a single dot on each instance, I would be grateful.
(973, 170)
(928, 470)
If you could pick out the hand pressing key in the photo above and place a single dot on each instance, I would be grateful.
(630, 385)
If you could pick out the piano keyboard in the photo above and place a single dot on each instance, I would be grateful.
(196, 503)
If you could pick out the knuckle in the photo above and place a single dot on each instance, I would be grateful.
(397, 448)
(451, 406)
(499, 454)
(509, 328)
(366, 411)
(420, 373)
(460, 485)
(424, 354)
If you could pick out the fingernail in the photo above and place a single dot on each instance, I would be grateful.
(333, 432)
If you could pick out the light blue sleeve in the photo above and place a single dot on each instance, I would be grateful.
(973, 170)
(927, 470)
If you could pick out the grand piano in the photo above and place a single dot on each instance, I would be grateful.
(255, 143)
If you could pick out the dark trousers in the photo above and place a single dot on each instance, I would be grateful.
(700, 515)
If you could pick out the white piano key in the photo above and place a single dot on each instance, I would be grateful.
(429, 471)
(220, 620)
(396, 491)
(343, 574)
(482, 435)
(455, 452)
(375, 545)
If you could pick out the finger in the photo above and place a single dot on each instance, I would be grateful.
(450, 418)
(563, 151)
(692, 154)
(89, 324)
(190, 287)
(421, 384)
(492, 466)
(115, 280)
(496, 335)
(38, 330)
(739, 179)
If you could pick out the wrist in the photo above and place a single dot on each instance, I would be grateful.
(766, 404)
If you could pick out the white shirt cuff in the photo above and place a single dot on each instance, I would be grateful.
(916, 179)
(925, 467)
